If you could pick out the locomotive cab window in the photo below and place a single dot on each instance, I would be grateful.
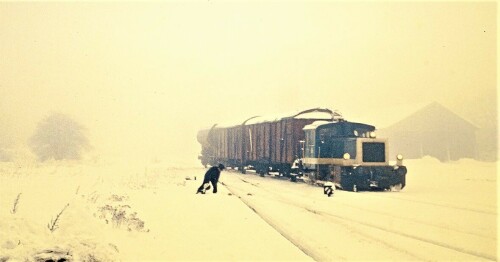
(373, 152)
(309, 145)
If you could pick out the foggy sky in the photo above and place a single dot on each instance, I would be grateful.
(145, 77)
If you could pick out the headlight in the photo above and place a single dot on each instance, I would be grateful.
(347, 156)
(373, 135)
(399, 157)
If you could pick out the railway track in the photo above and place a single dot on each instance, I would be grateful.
(445, 205)
(392, 215)
(421, 221)
(485, 210)
(361, 220)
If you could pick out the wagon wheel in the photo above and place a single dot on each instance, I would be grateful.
(286, 172)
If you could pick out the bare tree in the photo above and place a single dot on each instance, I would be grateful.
(59, 137)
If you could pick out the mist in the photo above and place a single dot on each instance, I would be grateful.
(143, 78)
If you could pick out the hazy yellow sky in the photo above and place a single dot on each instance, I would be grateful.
(144, 77)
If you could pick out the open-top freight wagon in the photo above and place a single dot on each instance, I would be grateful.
(316, 142)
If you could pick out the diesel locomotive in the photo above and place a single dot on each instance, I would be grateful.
(317, 143)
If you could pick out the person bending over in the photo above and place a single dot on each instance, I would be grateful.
(211, 176)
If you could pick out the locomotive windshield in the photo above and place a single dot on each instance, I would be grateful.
(373, 152)
(336, 148)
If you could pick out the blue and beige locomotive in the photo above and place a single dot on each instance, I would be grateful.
(317, 144)
(350, 155)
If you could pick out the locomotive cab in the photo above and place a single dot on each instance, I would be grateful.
(350, 155)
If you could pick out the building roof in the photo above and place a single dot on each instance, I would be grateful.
(433, 117)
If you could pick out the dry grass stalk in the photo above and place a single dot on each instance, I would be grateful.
(16, 202)
(53, 223)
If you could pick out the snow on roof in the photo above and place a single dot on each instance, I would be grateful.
(316, 124)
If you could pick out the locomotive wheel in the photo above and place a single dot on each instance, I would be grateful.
(396, 188)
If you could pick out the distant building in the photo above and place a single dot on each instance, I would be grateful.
(432, 131)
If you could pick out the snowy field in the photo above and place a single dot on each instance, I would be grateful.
(111, 212)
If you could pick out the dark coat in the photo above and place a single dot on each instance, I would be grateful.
(212, 175)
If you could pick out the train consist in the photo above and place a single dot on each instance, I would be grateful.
(317, 143)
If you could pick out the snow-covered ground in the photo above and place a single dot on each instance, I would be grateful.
(446, 212)
(105, 212)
